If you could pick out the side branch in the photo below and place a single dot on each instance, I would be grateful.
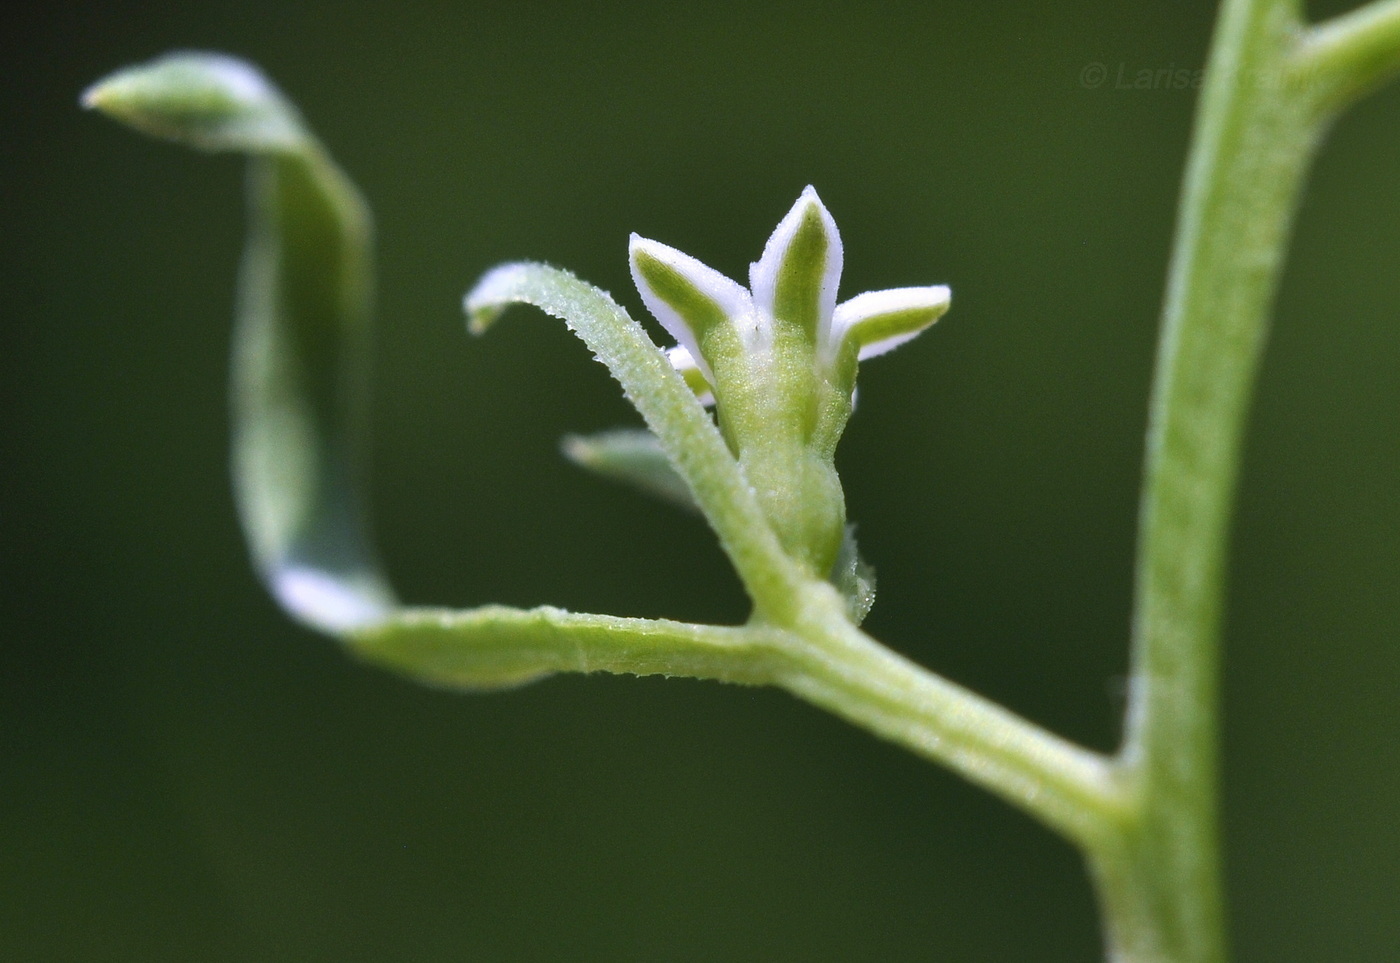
(825, 661)
(1350, 55)
(834, 665)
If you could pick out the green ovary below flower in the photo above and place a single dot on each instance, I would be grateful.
(779, 359)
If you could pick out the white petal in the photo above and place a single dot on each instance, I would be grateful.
(883, 320)
(707, 283)
(763, 274)
(683, 361)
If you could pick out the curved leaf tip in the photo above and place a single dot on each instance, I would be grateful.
(211, 101)
(331, 602)
(497, 290)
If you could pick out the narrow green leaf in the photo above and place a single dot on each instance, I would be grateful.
(302, 336)
(300, 388)
(493, 647)
(683, 427)
(631, 456)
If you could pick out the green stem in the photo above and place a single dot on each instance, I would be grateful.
(1351, 55)
(1160, 881)
(834, 665)
(1273, 87)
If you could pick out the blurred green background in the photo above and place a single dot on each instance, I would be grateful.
(188, 776)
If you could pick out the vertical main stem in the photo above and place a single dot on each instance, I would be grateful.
(1159, 880)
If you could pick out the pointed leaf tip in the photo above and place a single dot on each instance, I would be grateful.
(634, 457)
(206, 100)
(497, 290)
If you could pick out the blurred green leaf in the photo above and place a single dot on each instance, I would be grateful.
(302, 337)
(631, 456)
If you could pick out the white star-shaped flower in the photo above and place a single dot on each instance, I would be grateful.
(792, 288)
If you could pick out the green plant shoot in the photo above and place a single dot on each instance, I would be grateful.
(776, 360)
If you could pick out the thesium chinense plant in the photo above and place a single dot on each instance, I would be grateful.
(778, 359)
